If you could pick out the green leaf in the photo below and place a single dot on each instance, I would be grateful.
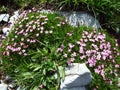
(35, 88)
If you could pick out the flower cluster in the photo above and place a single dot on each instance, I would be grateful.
(96, 51)
(27, 33)
(30, 42)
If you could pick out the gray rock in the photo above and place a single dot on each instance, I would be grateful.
(4, 17)
(18, 88)
(74, 88)
(6, 30)
(46, 11)
(80, 18)
(76, 75)
(14, 17)
(3, 86)
(77, 18)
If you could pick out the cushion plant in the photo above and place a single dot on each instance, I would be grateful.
(39, 43)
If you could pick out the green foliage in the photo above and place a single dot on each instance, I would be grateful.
(39, 43)
(29, 51)
(98, 50)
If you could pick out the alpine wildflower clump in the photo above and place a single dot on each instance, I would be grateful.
(27, 53)
(98, 51)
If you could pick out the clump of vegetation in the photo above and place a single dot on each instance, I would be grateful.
(39, 43)
(29, 50)
(99, 51)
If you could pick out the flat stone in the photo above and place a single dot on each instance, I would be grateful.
(4, 17)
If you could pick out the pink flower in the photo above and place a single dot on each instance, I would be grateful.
(104, 57)
(42, 28)
(25, 46)
(117, 66)
(69, 62)
(46, 32)
(88, 53)
(25, 54)
(71, 45)
(98, 57)
(85, 32)
(83, 36)
(85, 40)
(97, 71)
(82, 57)
(89, 36)
(41, 31)
(6, 53)
(91, 62)
(17, 49)
(20, 53)
(23, 51)
(34, 26)
(72, 59)
(14, 44)
(58, 25)
(73, 54)
(111, 82)
(40, 87)
(69, 34)
(100, 36)
(108, 45)
(102, 73)
(20, 32)
(59, 50)
(102, 66)
(37, 34)
(65, 55)
(69, 50)
(92, 40)
(50, 31)
(22, 39)
(31, 30)
(95, 89)
(81, 50)
(32, 41)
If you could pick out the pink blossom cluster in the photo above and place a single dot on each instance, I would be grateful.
(28, 32)
(93, 49)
